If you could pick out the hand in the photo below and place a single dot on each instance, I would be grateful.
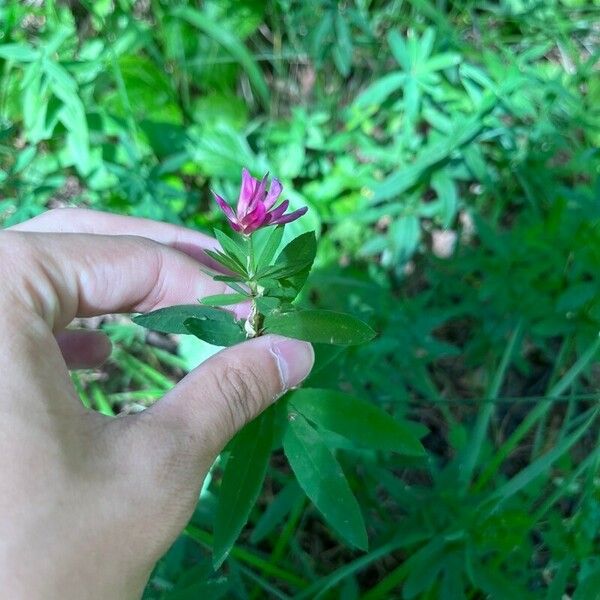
(89, 503)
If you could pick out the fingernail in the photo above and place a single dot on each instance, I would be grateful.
(295, 359)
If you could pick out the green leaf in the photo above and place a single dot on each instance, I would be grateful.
(172, 318)
(232, 44)
(227, 261)
(462, 133)
(232, 248)
(560, 579)
(343, 48)
(495, 583)
(440, 62)
(270, 247)
(399, 50)
(301, 249)
(18, 52)
(222, 332)
(293, 264)
(276, 511)
(424, 568)
(357, 420)
(445, 188)
(322, 479)
(283, 271)
(320, 326)
(379, 91)
(589, 587)
(223, 299)
(229, 279)
(294, 261)
(404, 235)
(242, 481)
(266, 304)
(214, 590)
(542, 464)
(576, 296)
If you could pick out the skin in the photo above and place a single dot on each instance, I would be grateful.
(89, 503)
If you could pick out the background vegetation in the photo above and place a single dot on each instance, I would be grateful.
(449, 155)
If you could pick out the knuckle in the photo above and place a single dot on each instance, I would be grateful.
(240, 391)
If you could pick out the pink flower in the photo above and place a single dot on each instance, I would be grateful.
(255, 206)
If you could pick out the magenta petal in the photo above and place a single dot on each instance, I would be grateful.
(278, 212)
(252, 221)
(224, 206)
(289, 218)
(259, 193)
(247, 191)
(274, 193)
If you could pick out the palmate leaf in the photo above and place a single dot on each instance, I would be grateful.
(242, 481)
(322, 479)
(358, 420)
(319, 326)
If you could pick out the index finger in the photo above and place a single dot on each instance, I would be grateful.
(82, 220)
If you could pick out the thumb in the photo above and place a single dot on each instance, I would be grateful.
(230, 389)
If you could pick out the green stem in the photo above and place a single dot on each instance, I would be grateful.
(255, 319)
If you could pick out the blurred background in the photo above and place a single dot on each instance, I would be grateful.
(448, 152)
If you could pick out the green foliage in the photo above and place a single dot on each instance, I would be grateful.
(448, 155)
(320, 326)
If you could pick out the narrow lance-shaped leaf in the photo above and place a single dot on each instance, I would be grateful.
(231, 43)
(294, 261)
(224, 299)
(322, 479)
(219, 333)
(270, 248)
(320, 326)
(231, 247)
(277, 511)
(229, 262)
(358, 420)
(172, 318)
(242, 481)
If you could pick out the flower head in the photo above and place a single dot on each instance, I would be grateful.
(255, 205)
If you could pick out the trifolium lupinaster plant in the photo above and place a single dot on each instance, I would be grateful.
(257, 271)
(268, 275)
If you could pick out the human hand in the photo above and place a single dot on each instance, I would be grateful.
(89, 503)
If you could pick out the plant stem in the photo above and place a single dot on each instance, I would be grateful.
(255, 319)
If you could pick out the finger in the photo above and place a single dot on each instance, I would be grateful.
(82, 348)
(61, 276)
(230, 389)
(81, 220)
(49, 279)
